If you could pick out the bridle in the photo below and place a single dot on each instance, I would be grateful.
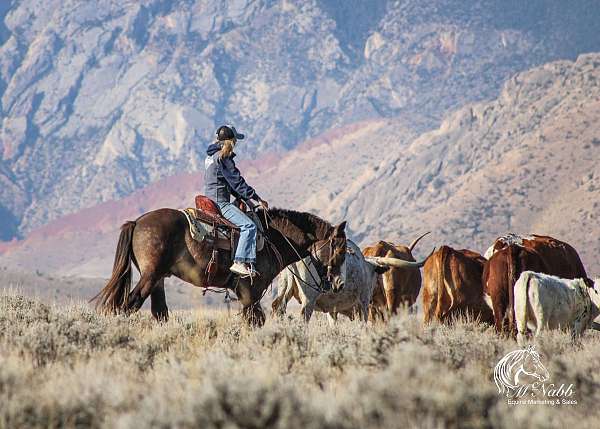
(313, 260)
(323, 270)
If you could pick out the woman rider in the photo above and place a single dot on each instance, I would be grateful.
(222, 179)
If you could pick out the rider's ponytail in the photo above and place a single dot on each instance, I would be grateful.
(227, 148)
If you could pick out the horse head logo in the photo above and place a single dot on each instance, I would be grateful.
(519, 368)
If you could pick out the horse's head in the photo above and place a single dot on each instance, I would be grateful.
(330, 254)
(306, 234)
(532, 366)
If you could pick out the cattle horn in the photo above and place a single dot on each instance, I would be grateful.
(395, 262)
(595, 326)
(414, 243)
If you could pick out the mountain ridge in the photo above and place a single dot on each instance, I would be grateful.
(525, 162)
(100, 99)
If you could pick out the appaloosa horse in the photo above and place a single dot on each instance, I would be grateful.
(160, 245)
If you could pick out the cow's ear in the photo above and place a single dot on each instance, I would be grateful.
(340, 230)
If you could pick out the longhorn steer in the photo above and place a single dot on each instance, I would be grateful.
(355, 290)
(554, 252)
(396, 286)
(509, 258)
(452, 286)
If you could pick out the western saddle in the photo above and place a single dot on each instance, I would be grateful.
(207, 225)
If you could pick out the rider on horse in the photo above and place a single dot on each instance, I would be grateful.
(222, 179)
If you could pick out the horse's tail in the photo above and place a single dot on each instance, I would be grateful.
(113, 297)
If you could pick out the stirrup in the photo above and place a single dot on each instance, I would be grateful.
(252, 272)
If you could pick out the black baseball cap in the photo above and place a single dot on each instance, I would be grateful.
(228, 132)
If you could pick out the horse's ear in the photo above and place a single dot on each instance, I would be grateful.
(340, 229)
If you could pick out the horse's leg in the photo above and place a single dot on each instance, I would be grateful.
(141, 291)
(158, 241)
(363, 309)
(254, 314)
(249, 296)
(158, 302)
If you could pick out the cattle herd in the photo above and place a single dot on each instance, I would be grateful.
(522, 285)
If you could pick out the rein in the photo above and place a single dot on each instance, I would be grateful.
(319, 288)
(315, 252)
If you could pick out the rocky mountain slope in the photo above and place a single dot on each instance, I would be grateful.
(99, 99)
(525, 162)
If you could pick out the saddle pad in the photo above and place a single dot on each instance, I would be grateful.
(201, 231)
(198, 230)
(200, 224)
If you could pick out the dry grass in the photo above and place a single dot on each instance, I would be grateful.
(68, 366)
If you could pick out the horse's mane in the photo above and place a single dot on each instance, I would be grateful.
(296, 224)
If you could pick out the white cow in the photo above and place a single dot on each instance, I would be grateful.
(545, 302)
(353, 289)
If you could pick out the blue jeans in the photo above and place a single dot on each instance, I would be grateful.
(246, 248)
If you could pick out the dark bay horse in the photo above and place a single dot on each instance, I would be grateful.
(160, 245)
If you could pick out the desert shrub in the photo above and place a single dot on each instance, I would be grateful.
(68, 366)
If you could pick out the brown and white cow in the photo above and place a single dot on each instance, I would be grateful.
(510, 256)
(452, 286)
(395, 287)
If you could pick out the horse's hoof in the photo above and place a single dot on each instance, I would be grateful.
(161, 315)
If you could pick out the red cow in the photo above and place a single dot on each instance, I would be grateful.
(510, 255)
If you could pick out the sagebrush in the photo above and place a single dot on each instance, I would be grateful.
(67, 366)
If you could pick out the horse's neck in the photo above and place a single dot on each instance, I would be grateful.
(288, 253)
(300, 229)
